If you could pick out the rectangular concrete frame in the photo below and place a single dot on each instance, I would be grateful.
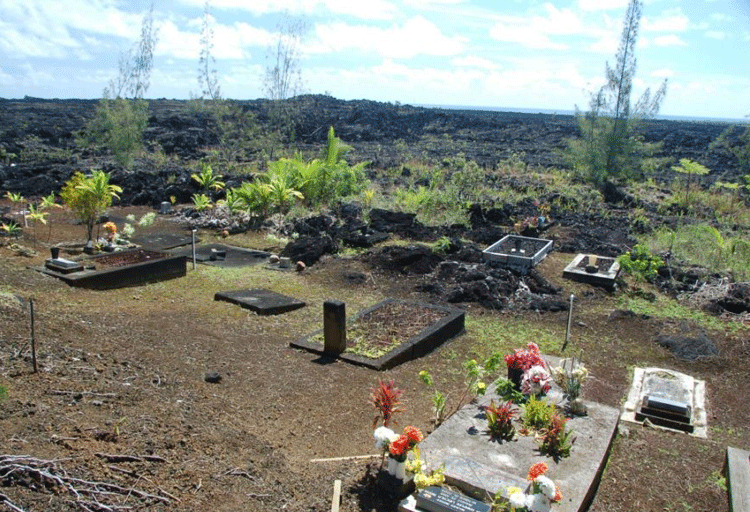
(417, 346)
(135, 274)
(261, 301)
(738, 479)
(605, 279)
(480, 466)
(495, 257)
(696, 388)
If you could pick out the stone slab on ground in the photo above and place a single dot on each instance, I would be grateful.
(262, 301)
(481, 466)
(669, 385)
(221, 255)
(162, 241)
(738, 479)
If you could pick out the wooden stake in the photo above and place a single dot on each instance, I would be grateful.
(570, 319)
(336, 501)
(33, 335)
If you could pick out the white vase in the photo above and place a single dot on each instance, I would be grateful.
(401, 471)
(396, 468)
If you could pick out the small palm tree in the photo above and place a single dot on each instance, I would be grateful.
(207, 180)
(89, 197)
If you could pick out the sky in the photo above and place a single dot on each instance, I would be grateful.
(518, 54)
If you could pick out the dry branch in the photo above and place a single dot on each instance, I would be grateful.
(48, 476)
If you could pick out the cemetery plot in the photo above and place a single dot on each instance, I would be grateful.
(519, 253)
(117, 270)
(263, 302)
(481, 466)
(667, 399)
(386, 334)
(221, 255)
(592, 269)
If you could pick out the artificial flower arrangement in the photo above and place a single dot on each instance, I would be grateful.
(111, 229)
(540, 494)
(527, 370)
(570, 376)
(398, 446)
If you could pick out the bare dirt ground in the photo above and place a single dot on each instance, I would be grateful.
(120, 395)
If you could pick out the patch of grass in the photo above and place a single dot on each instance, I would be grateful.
(503, 334)
(665, 307)
(3, 393)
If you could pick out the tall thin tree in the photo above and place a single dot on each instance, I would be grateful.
(207, 74)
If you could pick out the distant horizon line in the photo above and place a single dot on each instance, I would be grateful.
(566, 112)
(483, 108)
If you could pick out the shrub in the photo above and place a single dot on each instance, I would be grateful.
(119, 125)
(537, 414)
(89, 197)
(640, 263)
(386, 398)
(557, 441)
(500, 420)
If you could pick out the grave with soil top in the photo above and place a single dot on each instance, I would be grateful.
(119, 269)
(390, 333)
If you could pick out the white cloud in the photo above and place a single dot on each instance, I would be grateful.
(417, 36)
(370, 10)
(421, 4)
(716, 34)
(671, 20)
(537, 31)
(601, 5)
(474, 62)
(230, 41)
(669, 40)
(662, 73)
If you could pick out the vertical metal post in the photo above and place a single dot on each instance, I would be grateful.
(33, 335)
(194, 249)
(570, 320)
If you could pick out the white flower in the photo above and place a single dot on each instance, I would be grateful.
(538, 503)
(545, 486)
(517, 500)
(383, 437)
(535, 380)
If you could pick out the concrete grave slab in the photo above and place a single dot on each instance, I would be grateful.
(738, 479)
(221, 255)
(481, 466)
(162, 241)
(592, 269)
(673, 391)
(262, 301)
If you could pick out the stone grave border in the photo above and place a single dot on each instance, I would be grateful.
(523, 264)
(606, 279)
(261, 301)
(737, 471)
(698, 402)
(168, 267)
(417, 346)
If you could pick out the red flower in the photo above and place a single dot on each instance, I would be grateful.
(399, 447)
(524, 358)
(413, 434)
(537, 470)
(558, 495)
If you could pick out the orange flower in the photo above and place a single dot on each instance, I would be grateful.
(413, 434)
(536, 470)
(399, 446)
(558, 495)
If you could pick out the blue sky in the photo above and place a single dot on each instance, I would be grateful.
(499, 53)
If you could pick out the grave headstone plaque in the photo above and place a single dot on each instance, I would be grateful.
(440, 499)
(334, 326)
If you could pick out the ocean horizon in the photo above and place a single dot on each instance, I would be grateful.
(562, 112)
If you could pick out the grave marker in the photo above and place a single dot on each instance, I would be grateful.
(334, 326)
(440, 499)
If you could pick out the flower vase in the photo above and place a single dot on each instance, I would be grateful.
(515, 375)
(401, 471)
(577, 407)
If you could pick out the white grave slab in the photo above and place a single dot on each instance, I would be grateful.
(669, 385)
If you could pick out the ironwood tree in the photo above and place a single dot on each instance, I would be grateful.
(611, 143)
